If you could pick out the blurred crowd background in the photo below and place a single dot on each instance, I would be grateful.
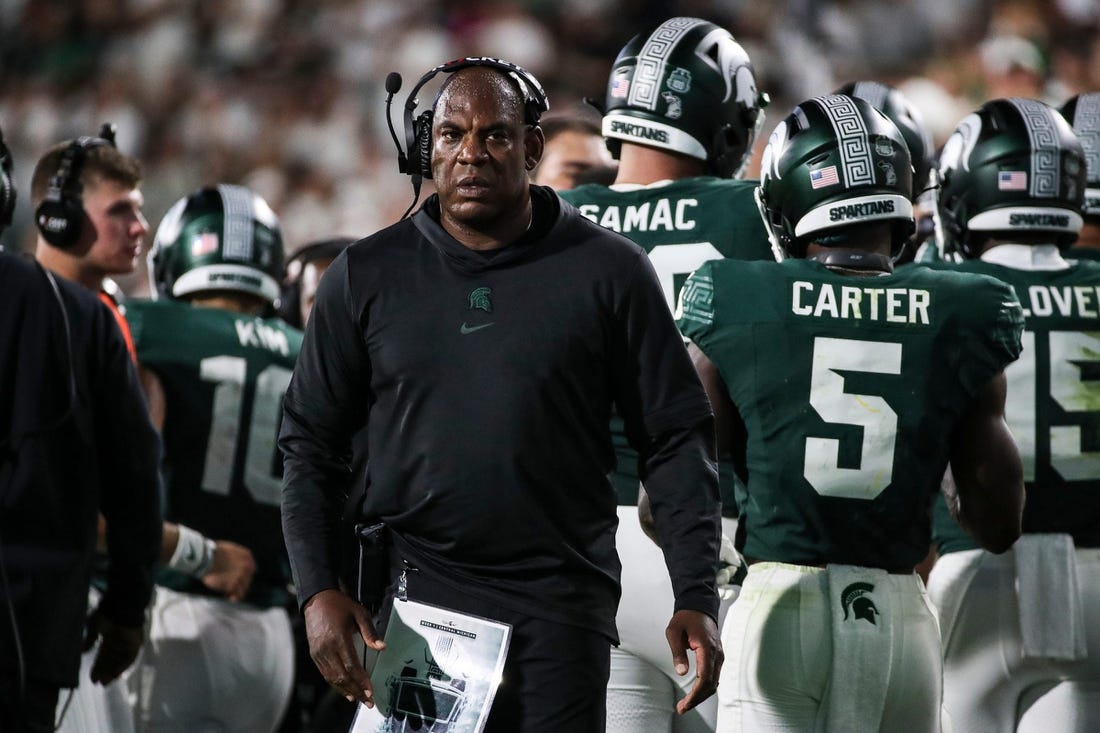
(286, 96)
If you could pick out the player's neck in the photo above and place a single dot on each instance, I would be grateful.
(1089, 236)
(643, 165)
(68, 266)
(244, 305)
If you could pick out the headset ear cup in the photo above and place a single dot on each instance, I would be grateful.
(59, 221)
(289, 304)
(424, 143)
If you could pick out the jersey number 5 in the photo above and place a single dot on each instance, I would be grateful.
(880, 423)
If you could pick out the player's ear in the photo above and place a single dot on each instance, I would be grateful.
(534, 141)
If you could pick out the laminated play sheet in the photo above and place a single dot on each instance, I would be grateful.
(438, 673)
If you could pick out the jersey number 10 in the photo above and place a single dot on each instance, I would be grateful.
(229, 374)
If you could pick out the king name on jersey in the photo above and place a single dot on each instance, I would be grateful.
(860, 302)
(1067, 301)
(652, 216)
(256, 333)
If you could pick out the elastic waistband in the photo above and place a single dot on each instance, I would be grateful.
(811, 567)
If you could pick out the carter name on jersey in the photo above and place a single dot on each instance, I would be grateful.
(860, 302)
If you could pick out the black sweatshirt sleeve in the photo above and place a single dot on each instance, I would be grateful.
(129, 450)
(669, 422)
(324, 405)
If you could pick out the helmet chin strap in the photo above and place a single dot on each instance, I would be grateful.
(852, 259)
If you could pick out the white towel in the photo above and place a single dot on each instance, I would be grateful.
(863, 630)
(1051, 617)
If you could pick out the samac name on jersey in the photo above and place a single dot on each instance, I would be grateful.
(257, 334)
(1077, 301)
(860, 302)
(662, 216)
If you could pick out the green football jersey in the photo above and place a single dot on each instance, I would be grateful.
(1083, 253)
(681, 224)
(1053, 405)
(224, 376)
(849, 388)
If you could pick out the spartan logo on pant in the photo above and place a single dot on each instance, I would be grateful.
(856, 597)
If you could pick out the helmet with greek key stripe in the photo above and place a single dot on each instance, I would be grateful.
(833, 162)
(686, 87)
(218, 238)
(892, 103)
(1083, 113)
(1012, 169)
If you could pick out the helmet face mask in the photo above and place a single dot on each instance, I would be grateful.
(1012, 167)
(687, 87)
(833, 162)
(218, 239)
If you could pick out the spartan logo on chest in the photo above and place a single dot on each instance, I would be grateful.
(479, 299)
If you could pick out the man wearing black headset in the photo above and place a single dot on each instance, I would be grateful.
(482, 343)
(88, 211)
(75, 441)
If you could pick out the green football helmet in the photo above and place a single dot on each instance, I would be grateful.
(687, 87)
(1012, 167)
(892, 103)
(1083, 113)
(833, 162)
(218, 238)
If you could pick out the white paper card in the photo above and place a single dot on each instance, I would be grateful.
(439, 672)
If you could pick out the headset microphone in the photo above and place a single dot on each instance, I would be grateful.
(107, 132)
(393, 86)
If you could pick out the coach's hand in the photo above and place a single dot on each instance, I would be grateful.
(231, 572)
(332, 620)
(118, 646)
(695, 630)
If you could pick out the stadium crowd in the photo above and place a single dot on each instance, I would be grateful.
(287, 96)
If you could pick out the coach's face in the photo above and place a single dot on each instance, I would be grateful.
(481, 152)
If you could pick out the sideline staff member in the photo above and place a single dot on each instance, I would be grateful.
(483, 343)
(75, 440)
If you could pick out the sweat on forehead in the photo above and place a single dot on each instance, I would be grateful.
(483, 81)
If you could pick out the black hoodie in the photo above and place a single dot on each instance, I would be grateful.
(486, 380)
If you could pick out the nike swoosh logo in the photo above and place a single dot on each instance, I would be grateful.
(470, 329)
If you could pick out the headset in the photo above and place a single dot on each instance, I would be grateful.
(60, 216)
(289, 308)
(7, 186)
(416, 158)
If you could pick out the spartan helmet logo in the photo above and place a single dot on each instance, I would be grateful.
(956, 151)
(479, 300)
(855, 597)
